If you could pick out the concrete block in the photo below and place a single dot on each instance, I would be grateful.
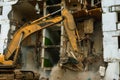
(88, 26)
(105, 9)
(110, 45)
(107, 3)
(117, 2)
(109, 21)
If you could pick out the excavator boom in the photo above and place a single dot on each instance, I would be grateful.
(28, 30)
(39, 24)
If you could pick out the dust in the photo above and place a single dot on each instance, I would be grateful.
(58, 73)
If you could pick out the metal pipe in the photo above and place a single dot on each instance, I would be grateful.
(62, 33)
(45, 16)
(43, 34)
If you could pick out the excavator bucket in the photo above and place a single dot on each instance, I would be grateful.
(2, 58)
(3, 61)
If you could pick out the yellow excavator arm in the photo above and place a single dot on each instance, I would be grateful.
(28, 30)
(24, 32)
(35, 26)
(70, 28)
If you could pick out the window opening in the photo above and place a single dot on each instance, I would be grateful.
(1, 8)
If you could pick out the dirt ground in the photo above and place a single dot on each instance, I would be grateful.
(60, 74)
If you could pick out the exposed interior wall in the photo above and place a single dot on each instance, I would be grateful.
(30, 54)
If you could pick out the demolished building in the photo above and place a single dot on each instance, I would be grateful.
(59, 39)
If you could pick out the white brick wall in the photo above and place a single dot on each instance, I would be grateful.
(109, 21)
(4, 22)
(110, 30)
(110, 45)
(111, 51)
